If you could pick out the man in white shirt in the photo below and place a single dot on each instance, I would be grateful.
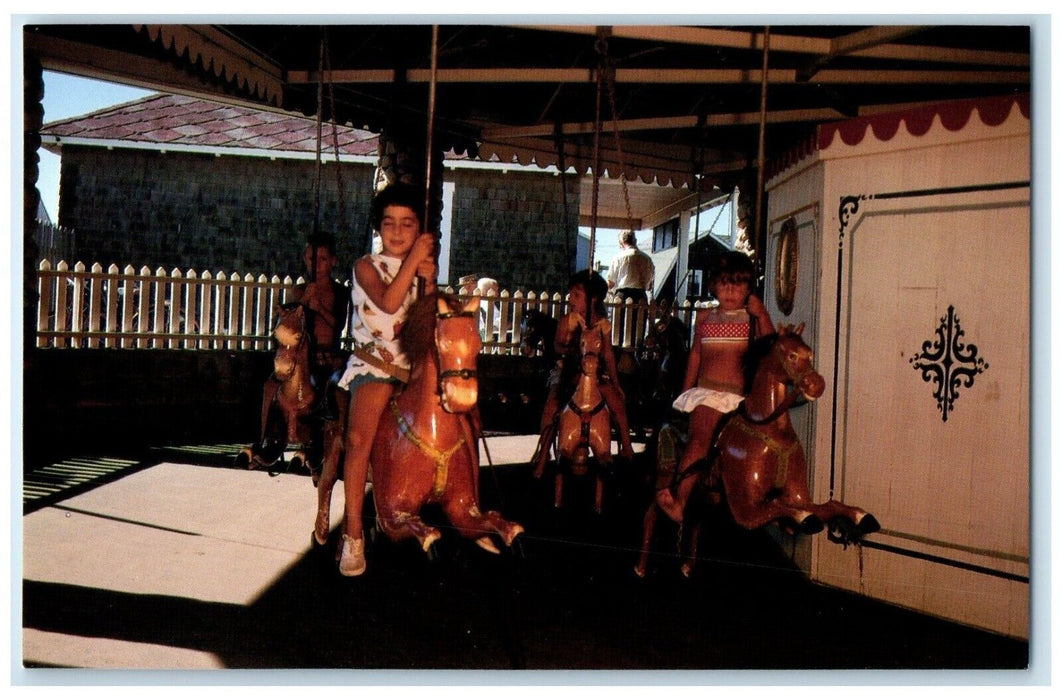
(631, 274)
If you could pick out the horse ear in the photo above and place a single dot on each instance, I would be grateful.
(441, 306)
(471, 305)
(781, 328)
(799, 330)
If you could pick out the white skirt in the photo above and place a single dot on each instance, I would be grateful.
(722, 401)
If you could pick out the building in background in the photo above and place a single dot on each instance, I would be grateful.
(177, 182)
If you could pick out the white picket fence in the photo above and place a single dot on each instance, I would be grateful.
(89, 307)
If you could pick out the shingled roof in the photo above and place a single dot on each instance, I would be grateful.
(171, 120)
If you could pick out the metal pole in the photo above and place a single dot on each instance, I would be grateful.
(761, 237)
(431, 124)
(430, 145)
(596, 169)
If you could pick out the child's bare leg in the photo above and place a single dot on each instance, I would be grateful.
(702, 428)
(370, 400)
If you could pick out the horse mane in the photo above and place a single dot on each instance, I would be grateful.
(418, 332)
(750, 361)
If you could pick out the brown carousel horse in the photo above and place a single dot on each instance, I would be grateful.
(287, 396)
(758, 460)
(584, 425)
(425, 448)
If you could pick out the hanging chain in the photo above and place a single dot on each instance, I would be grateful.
(596, 167)
(317, 169)
(610, 83)
(335, 138)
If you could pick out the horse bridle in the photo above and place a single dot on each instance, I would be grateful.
(466, 373)
(795, 378)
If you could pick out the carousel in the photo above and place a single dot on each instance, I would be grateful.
(840, 496)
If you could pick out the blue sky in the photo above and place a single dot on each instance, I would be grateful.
(68, 96)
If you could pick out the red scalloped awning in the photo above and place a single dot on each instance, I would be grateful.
(953, 116)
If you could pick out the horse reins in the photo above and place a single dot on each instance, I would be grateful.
(440, 457)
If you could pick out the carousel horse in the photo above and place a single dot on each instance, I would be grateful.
(584, 425)
(537, 331)
(287, 396)
(757, 459)
(667, 346)
(425, 448)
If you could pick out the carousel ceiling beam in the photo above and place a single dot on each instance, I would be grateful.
(674, 76)
(697, 36)
(862, 39)
(787, 43)
(665, 123)
(867, 38)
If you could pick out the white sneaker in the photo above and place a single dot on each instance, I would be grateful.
(352, 559)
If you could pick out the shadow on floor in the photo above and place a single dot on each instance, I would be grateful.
(564, 598)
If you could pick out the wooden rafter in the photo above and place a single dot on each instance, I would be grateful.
(677, 76)
(788, 43)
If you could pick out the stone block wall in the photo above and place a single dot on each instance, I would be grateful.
(511, 226)
(205, 212)
(252, 214)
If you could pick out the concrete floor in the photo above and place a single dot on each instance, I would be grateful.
(184, 562)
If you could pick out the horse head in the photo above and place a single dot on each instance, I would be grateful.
(797, 362)
(290, 332)
(457, 346)
(590, 348)
(537, 330)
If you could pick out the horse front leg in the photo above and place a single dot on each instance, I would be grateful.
(648, 525)
(844, 523)
(691, 556)
(601, 444)
(474, 524)
(752, 503)
(399, 525)
(325, 480)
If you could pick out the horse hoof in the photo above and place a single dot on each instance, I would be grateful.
(315, 543)
(639, 571)
(868, 524)
(686, 569)
(512, 533)
(243, 459)
(487, 544)
(811, 525)
(429, 539)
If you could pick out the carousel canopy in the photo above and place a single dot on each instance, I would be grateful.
(680, 106)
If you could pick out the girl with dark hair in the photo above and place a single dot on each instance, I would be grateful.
(381, 295)
(587, 314)
(715, 384)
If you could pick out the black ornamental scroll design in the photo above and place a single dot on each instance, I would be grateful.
(948, 362)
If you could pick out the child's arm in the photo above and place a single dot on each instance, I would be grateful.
(389, 297)
(566, 328)
(756, 309)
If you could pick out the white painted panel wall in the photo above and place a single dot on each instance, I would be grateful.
(937, 222)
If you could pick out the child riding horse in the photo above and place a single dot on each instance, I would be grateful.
(758, 461)
(425, 449)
